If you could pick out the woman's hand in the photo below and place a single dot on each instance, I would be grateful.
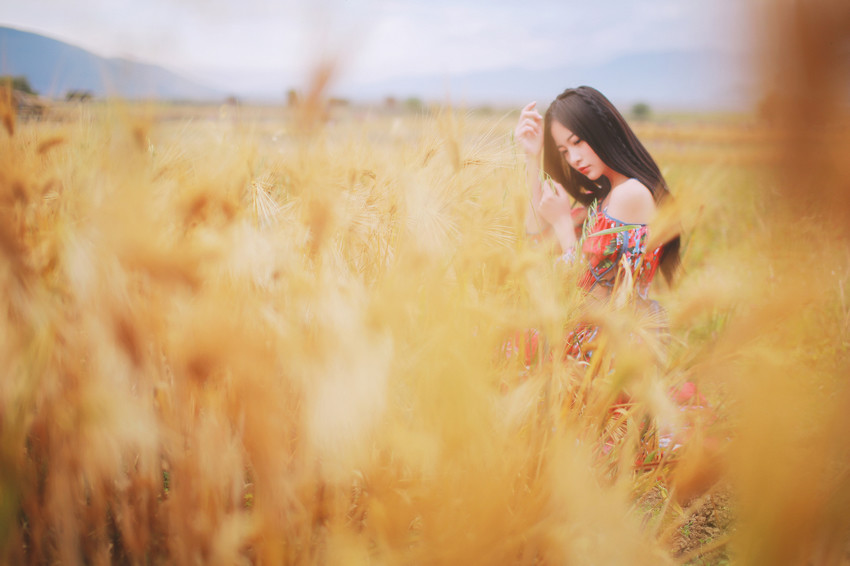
(555, 208)
(529, 131)
(554, 204)
(579, 215)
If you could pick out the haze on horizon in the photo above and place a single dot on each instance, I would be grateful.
(268, 46)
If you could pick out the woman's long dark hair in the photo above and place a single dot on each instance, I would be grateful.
(590, 116)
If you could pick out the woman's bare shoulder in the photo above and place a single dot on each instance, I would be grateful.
(631, 202)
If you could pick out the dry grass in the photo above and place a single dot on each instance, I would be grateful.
(236, 342)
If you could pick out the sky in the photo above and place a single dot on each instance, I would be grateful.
(266, 43)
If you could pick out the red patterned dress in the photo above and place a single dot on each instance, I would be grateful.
(610, 247)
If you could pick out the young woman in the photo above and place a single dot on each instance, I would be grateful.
(591, 154)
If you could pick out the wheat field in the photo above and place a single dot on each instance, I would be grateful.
(229, 338)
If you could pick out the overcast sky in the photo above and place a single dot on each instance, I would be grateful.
(277, 41)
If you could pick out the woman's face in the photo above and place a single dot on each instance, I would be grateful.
(578, 152)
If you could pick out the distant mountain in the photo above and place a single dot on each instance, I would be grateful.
(54, 67)
(693, 80)
(687, 80)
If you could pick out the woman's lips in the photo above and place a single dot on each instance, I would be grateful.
(584, 170)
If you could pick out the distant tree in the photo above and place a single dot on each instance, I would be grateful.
(413, 104)
(292, 97)
(641, 111)
(26, 105)
(78, 96)
(336, 101)
(21, 84)
(390, 102)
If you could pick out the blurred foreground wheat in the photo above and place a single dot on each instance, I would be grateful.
(226, 343)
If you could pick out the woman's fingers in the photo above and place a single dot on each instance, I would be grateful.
(533, 116)
(527, 128)
(548, 205)
(530, 112)
(553, 191)
(558, 189)
(554, 204)
(527, 134)
(553, 187)
(529, 119)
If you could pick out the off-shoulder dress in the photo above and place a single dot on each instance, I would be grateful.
(615, 254)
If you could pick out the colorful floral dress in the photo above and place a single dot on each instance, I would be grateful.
(609, 248)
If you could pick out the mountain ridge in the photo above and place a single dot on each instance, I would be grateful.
(672, 79)
(54, 67)
(675, 79)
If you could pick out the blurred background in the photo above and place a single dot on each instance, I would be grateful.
(664, 53)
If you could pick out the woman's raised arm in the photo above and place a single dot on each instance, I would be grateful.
(529, 136)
